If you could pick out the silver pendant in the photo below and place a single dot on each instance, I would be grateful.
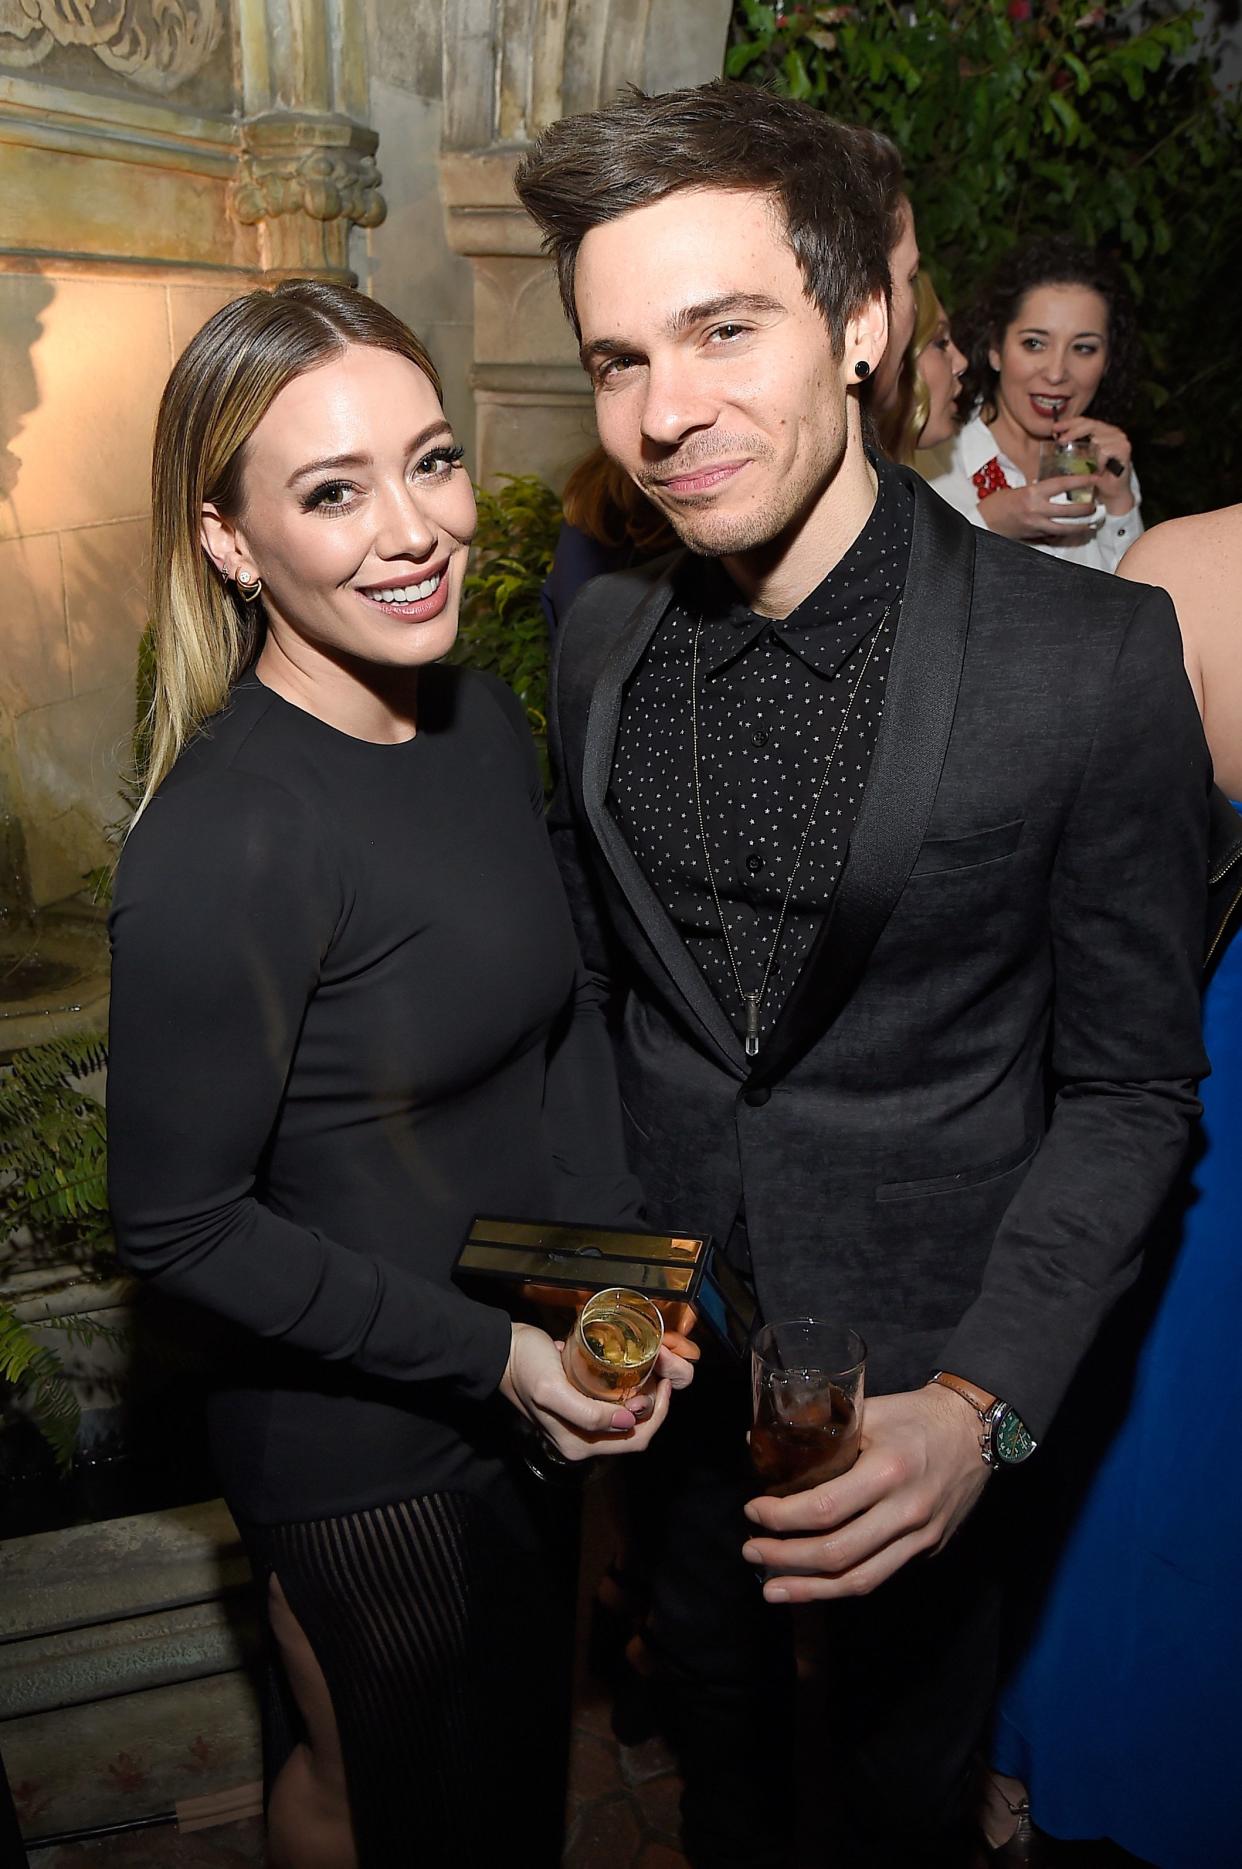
(752, 1024)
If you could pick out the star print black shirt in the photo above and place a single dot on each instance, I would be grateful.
(783, 708)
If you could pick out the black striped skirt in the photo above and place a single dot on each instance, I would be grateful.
(443, 1625)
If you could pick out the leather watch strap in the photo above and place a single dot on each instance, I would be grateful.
(979, 1399)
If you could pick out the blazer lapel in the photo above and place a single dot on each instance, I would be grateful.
(923, 681)
(672, 955)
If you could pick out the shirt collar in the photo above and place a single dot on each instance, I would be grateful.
(830, 622)
(977, 446)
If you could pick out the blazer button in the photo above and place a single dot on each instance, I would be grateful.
(757, 1097)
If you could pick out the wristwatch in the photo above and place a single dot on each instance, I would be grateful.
(1006, 1440)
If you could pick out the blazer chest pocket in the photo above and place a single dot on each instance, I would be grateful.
(939, 854)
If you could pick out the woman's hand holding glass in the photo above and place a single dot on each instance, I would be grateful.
(580, 1426)
(1034, 513)
(1114, 487)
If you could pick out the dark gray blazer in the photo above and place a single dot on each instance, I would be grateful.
(981, 1086)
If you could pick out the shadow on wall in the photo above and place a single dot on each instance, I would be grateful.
(19, 388)
(73, 544)
(19, 396)
(55, 597)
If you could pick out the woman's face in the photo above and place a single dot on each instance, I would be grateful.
(940, 364)
(1052, 357)
(357, 513)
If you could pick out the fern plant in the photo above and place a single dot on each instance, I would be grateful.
(34, 1370)
(53, 1206)
(502, 622)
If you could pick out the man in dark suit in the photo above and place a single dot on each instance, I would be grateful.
(886, 842)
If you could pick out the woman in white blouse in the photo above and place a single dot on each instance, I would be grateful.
(1050, 358)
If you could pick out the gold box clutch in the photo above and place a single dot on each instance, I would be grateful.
(548, 1269)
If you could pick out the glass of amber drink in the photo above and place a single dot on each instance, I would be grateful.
(807, 1382)
(614, 1345)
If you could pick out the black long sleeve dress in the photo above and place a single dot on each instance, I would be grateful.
(345, 1018)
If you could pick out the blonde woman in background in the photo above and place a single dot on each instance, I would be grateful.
(923, 412)
(347, 1015)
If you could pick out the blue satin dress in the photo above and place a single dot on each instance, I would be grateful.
(1121, 1714)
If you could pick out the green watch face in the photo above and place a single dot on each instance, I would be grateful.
(1011, 1439)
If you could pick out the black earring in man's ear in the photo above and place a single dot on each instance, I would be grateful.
(862, 368)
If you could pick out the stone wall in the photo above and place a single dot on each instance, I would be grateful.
(83, 357)
(158, 158)
(155, 160)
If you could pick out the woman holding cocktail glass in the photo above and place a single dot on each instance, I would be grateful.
(346, 1017)
(1041, 455)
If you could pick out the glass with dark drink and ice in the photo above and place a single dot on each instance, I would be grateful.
(807, 1382)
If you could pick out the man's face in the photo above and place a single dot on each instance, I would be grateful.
(903, 266)
(716, 387)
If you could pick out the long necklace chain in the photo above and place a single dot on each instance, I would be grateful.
(754, 1001)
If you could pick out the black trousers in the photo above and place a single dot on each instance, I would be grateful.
(869, 1764)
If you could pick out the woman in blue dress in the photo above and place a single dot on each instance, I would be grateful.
(1118, 1720)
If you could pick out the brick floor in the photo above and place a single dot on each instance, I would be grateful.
(227, 1846)
(622, 1799)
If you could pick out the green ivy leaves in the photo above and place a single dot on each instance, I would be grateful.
(502, 622)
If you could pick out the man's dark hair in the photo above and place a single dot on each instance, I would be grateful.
(1048, 261)
(838, 186)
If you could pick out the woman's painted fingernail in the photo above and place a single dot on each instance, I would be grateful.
(774, 1594)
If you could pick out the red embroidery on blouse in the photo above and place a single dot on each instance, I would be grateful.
(990, 478)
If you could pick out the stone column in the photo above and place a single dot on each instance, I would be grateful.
(510, 68)
(307, 173)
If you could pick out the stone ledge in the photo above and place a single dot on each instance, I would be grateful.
(78, 1666)
(118, 1568)
(132, 1758)
(481, 212)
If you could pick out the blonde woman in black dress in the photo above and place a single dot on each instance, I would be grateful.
(347, 1015)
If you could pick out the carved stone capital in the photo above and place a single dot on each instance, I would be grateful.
(304, 180)
(324, 167)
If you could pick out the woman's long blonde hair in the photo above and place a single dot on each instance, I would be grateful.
(901, 425)
(203, 635)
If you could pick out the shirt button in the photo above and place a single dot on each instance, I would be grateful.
(754, 863)
(756, 1097)
(759, 737)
